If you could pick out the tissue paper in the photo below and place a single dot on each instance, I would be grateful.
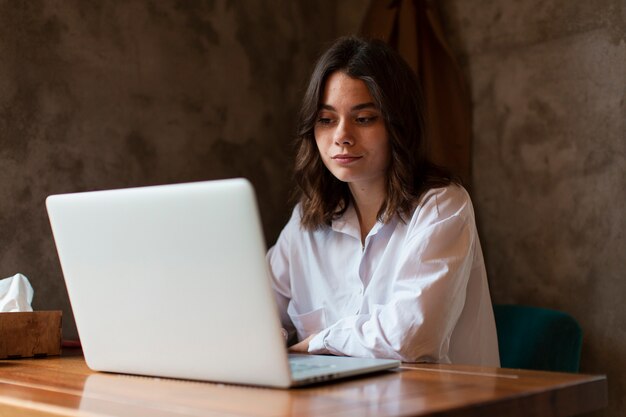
(16, 294)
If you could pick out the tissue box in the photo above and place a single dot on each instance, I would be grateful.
(28, 334)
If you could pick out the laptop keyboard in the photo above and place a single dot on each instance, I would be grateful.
(303, 364)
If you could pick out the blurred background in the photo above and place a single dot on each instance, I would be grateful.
(97, 95)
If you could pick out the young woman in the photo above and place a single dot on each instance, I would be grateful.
(381, 257)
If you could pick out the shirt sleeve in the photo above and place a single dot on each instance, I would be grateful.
(428, 292)
(278, 260)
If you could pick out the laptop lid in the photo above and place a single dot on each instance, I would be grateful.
(173, 281)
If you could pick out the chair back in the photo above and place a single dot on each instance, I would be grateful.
(537, 338)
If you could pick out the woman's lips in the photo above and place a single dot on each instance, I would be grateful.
(345, 159)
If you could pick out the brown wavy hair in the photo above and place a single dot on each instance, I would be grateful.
(396, 92)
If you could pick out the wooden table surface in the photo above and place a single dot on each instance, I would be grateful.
(65, 386)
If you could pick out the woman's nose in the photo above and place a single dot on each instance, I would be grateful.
(343, 135)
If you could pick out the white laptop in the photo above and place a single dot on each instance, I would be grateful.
(172, 281)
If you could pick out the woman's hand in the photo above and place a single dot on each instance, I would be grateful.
(302, 346)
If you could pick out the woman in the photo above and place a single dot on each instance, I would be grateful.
(381, 257)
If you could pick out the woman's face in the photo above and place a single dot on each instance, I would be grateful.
(350, 133)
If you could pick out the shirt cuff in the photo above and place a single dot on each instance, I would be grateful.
(316, 345)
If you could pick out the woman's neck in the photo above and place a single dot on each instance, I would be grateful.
(367, 202)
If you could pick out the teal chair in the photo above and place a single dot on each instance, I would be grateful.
(537, 338)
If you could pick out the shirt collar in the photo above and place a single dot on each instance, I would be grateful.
(348, 224)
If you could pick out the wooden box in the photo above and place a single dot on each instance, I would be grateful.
(28, 334)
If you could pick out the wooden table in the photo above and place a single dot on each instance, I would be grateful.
(65, 386)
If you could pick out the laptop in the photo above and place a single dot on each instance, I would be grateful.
(172, 281)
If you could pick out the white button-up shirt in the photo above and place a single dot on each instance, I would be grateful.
(415, 291)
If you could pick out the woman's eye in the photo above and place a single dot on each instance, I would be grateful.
(365, 120)
(324, 120)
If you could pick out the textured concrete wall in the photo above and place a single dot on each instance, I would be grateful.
(548, 80)
(97, 95)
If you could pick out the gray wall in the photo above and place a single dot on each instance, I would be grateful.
(548, 81)
(97, 95)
